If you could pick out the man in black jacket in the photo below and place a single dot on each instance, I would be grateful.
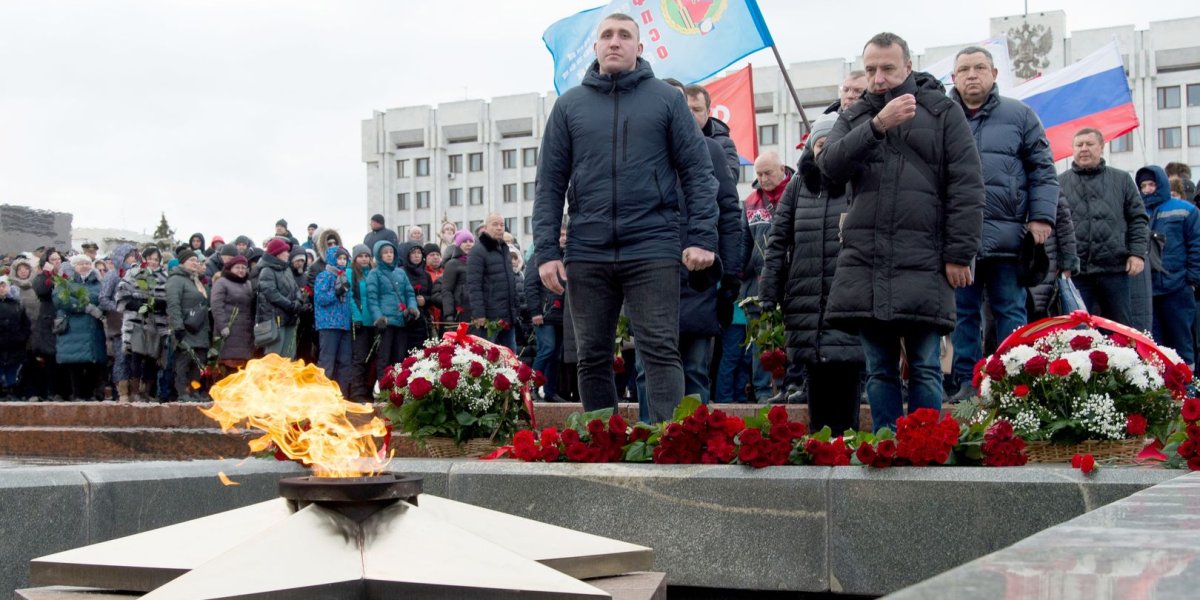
(619, 141)
(1111, 228)
(913, 227)
(491, 285)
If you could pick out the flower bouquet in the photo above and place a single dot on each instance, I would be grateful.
(459, 395)
(1068, 387)
(768, 333)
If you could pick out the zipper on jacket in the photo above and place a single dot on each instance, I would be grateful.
(616, 121)
(625, 141)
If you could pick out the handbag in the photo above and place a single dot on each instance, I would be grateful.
(1068, 296)
(266, 333)
(145, 341)
(196, 319)
(1158, 242)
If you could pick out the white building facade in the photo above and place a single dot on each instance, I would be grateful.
(460, 161)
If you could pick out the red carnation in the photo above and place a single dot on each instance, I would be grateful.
(458, 309)
(504, 325)
(409, 362)
(449, 380)
(1084, 462)
(995, 369)
(501, 383)
(1191, 409)
(1060, 367)
(1081, 342)
(402, 306)
(475, 369)
(1135, 424)
(618, 364)
(419, 387)
(1036, 366)
(557, 303)
(1099, 360)
(865, 453)
(569, 436)
(1021, 391)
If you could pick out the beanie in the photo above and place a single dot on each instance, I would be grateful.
(281, 223)
(276, 246)
(378, 218)
(361, 249)
(431, 248)
(235, 261)
(229, 250)
(820, 128)
(463, 236)
(183, 255)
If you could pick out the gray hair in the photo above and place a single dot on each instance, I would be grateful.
(977, 50)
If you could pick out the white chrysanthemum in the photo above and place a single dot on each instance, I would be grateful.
(1122, 359)
(985, 387)
(1099, 416)
(1016, 358)
(1080, 363)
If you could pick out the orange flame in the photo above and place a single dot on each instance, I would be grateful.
(303, 413)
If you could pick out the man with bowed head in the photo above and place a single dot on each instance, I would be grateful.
(913, 226)
(621, 140)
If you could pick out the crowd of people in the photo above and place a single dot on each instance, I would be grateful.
(914, 217)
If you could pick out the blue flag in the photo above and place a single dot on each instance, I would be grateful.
(685, 39)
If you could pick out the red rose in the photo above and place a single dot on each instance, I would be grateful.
(1191, 409)
(477, 350)
(396, 398)
(1060, 367)
(402, 378)
(445, 360)
(995, 369)
(419, 387)
(538, 379)
(1099, 360)
(458, 309)
(1135, 424)
(1036, 366)
(778, 372)
(865, 453)
(1120, 340)
(887, 449)
(475, 369)
(1081, 342)
(618, 364)
(504, 325)
(617, 424)
(778, 414)
(493, 354)
(557, 303)
(977, 373)
(409, 362)
(388, 379)
(449, 380)
(524, 373)
(1021, 391)
(501, 383)
(1177, 378)
(403, 307)
(577, 452)
(639, 434)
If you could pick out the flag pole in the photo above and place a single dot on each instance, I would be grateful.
(788, 80)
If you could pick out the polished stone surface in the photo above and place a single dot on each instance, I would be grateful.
(1144, 546)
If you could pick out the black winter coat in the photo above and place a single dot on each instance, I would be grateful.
(14, 332)
(539, 300)
(800, 263)
(1019, 179)
(454, 286)
(1061, 249)
(620, 142)
(698, 310)
(44, 342)
(278, 296)
(716, 129)
(1110, 218)
(491, 287)
(907, 219)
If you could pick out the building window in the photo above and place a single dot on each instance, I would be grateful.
(530, 191)
(422, 167)
(476, 196)
(424, 229)
(455, 163)
(1194, 135)
(1121, 144)
(402, 201)
(509, 223)
(528, 225)
(767, 135)
(475, 225)
(1193, 94)
(475, 161)
(1169, 137)
(455, 196)
(1168, 97)
(508, 159)
(529, 157)
(510, 192)
(402, 168)
(422, 199)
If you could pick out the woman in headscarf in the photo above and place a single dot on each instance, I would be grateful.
(43, 342)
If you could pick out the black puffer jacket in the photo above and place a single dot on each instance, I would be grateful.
(278, 295)
(14, 332)
(800, 262)
(419, 279)
(1019, 179)
(491, 287)
(1110, 218)
(698, 310)
(906, 219)
(1061, 249)
(716, 129)
(620, 141)
(454, 286)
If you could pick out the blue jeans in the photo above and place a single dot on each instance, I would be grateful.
(734, 370)
(1106, 295)
(335, 356)
(549, 354)
(695, 353)
(649, 291)
(1173, 316)
(998, 278)
(881, 345)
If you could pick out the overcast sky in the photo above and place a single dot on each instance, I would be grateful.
(229, 114)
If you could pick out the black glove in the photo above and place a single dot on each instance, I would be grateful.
(767, 305)
(726, 297)
(340, 289)
(381, 322)
(179, 333)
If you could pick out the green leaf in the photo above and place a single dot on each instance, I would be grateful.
(686, 407)
(466, 419)
(885, 433)
(638, 452)
(824, 435)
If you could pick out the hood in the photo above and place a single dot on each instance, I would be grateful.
(834, 108)
(120, 253)
(12, 275)
(407, 247)
(331, 256)
(323, 233)
(1160, 195)
(715, 128)
(297, 252)
(270, 261)
(622, 82)
(199, 236)
(375, 252)
(489, 242)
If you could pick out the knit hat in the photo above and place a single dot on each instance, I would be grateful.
(313, 226)
(281, 223)
(820, 128)
(463, 236)
(183, 255)
(229, 250)
(378, 218)
(216, 239)
(276, 246)
(361, 249)
(1145, 175)
(237, 260)
(431, 248)
(3, 278)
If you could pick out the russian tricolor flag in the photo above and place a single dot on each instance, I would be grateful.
(1090, 93)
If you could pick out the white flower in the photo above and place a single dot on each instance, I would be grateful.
(1099, 415)
(1026, 422)
(1122, 359)
(1171, 354)
(1080, 363)
(1016, 358)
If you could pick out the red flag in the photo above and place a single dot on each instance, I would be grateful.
(733, 103)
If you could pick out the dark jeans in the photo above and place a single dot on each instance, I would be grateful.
(187, 370)
(1173, 316)
(549, 356)
(335, 356)
(734, 371)
(833, 395)
(998, 278)
(1106, 295)
(695, 353)
(649, 291)
(415, 334)
(360, 349)
(84, 379)
(391, 348)
(881, 345)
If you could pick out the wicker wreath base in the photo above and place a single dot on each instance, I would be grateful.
(442, 447)
(1123, 451)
